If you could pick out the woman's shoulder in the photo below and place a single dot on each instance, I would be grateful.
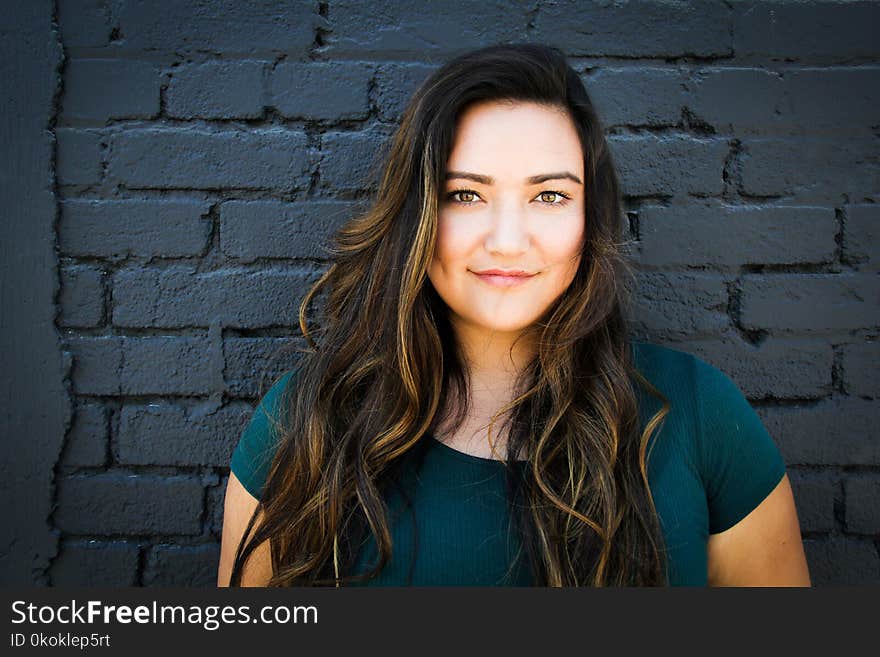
(679, 372)
(670, 370)
(703, 389)
(686, 375)
(261, 436)
(739, 461)
(279, 390)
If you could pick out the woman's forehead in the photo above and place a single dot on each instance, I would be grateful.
(511, 142)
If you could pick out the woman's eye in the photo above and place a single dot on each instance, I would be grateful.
(466, 196)
(553, 198)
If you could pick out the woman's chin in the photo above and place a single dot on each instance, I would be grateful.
(510, 326)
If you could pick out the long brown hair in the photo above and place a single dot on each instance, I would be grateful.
(383, 360)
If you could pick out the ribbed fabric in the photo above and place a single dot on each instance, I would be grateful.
(711, 463)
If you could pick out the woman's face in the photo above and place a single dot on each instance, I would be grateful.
(513, 200)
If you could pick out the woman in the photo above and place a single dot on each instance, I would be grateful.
(473, 410)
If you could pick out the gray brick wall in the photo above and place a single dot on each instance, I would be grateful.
(204, 151)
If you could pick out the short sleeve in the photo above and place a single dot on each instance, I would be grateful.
(741, 462)
(259, 441)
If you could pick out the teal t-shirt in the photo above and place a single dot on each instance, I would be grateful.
(711, 463)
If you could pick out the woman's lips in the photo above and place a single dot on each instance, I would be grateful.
(499, 280)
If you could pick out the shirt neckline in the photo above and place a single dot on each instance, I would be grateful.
(468, 458)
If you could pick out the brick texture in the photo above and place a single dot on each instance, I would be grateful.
(88, 437)
(135, 88)
(96, 563)
(633, 29)
(201, 159)
(116, 503)
(171, 434)
(217, 90)
(183, 565)
(143, 228)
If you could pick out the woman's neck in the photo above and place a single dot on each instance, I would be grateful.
(494, 361)
(494, 358)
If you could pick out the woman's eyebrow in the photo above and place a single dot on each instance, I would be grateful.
(531, 180)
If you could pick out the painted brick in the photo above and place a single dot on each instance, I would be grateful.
(837, 431)
(102, 89)
(779, 368)
(165, 158)
(861, 362)
(638, 96)
(168, 365)
(810, 168)
(84, 23)
(270, 229)
(862, 504)
(96, 563)
(769, 235)
(842, 561)
(216, 499)
(253, 364)
(82, 296)
(170, 434)
(672, 304)
(810, 302)
(97, 364)
(321, 90)
(178, 297)
(217, 90)
(814, 495)
(737, 100)
(160, 365)
(87, 440)
(221, 26)
(144, 228)
(395, 84)
(650, 166)
(79, 156)
(861, 236)
(349, 157)
(835, 100)
(182, 565)
(805, 31)
(363, 30)
(634, 29)
(114, 503)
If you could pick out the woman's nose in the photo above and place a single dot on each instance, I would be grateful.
(508, 230)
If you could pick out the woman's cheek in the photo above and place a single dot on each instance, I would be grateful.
(563, 239)
(455, 237)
